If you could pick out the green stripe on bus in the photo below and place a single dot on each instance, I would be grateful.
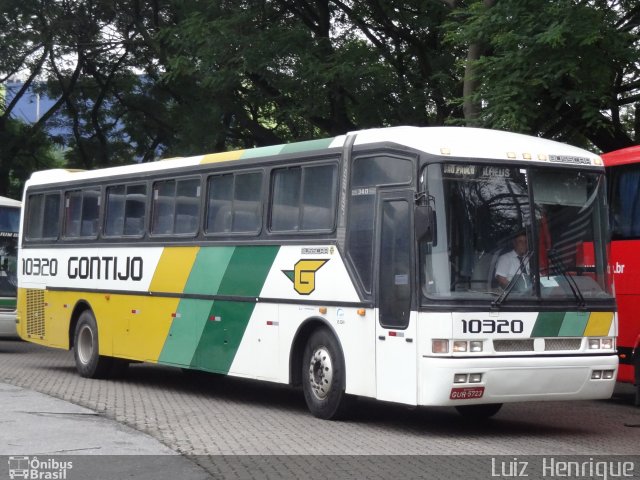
(247, 270)
(186, 329)
(574, 324)
(208, 270)
(227, 321)
(309, 145)
(222, 335)
(261, 151)
(8, 302)
(548, 324)
(297, 147)
(185, 332)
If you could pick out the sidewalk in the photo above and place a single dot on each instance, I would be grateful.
(36, 425)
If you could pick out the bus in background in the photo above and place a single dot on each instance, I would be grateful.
(623, 174)
(9, 225)
(360, 265)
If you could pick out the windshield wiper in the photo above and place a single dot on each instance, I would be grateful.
(558, 266)
(512, 283)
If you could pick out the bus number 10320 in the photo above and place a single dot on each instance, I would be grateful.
(492, 326)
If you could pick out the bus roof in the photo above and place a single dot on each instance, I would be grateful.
(9, 202)
(623, 156)
(453, 142)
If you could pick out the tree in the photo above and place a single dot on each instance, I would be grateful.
(117, 112)
(26, 45)
(565, 69)
(284, 70)
(138, 79)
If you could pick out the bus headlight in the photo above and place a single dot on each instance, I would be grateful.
(602, 374)
(459, 346)
(460, 378)
(439, 345)
(606, 343)
(463, 346)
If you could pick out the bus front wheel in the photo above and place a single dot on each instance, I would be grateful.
(323, 376)
(89, 362)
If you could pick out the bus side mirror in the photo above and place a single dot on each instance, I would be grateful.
(425, 223)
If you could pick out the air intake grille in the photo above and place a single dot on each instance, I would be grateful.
(552, 344)
(35, 313)
(518, 345)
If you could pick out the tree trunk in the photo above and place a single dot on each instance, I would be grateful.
(471, 107)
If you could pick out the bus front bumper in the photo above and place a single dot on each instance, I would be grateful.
(515, 379)
(8, 324)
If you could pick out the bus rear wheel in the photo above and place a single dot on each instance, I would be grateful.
(89, 362)
(323, 376)
(479, 412)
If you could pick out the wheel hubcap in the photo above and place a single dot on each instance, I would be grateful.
(85, 344)
(321, 373)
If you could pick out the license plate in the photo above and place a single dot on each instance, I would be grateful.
(466, 393)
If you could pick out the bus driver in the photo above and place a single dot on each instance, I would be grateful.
(509, 263)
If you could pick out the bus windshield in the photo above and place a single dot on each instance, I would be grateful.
(9, 223)
(514, 234)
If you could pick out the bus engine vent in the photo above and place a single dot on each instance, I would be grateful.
(552, 344)
(513, 345)
(35, 313)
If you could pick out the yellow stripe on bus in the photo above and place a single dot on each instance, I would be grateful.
(141, 325)
(173, 269)
(599, 324)
(222, 156)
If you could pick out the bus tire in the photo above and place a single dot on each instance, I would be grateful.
(89, 362)
(323, 376)
(479, 412)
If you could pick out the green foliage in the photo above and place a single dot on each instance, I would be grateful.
(21, 153)
(551, 67)
(137, 80)
(271, 77)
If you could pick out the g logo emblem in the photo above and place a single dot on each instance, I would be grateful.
(303, 275)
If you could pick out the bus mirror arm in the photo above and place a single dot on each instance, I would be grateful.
(425, 222)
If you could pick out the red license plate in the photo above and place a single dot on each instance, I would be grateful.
(466, 393)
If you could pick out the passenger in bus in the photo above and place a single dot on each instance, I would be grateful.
(509, 263)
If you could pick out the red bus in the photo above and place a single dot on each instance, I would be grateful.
(623, 172)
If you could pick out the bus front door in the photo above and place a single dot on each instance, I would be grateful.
(396, 326)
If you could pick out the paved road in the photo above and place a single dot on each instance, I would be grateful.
(43, 428)
(208, 415)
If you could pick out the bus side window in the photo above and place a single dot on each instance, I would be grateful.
(304, 198)
(43, 216)
(176, 206)
(82, 209)
(318, 197)
(125, 210)
(187, 206)
(367, 175)
(625, 205)
(234, 203)
(285, 209)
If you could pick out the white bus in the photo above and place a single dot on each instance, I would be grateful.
(360, 265)
(9, 224)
